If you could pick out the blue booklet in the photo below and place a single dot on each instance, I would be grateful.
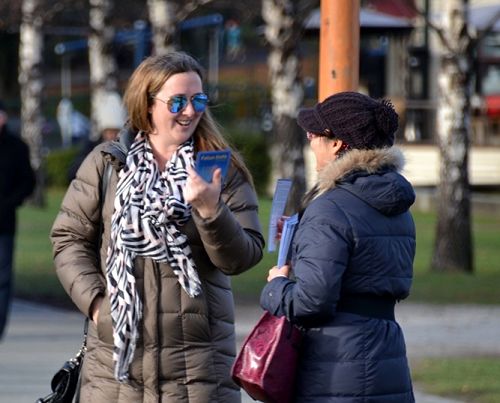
(285, 250)
(280, 198)
(208, 161)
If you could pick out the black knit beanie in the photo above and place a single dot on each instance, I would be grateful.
(359, 120)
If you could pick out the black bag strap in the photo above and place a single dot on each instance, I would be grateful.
(102, 195)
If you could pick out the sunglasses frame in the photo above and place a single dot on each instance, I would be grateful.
(310, 136)
(183, 100)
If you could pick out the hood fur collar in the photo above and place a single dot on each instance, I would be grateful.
(369, 161)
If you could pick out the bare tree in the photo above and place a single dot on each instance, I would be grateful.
(31, 83)
(34, 15)
(164, 16)
(453, 249)
(103, 69)
(284, 25)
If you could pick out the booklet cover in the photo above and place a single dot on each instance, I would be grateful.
(289, 228)
(208, 161)
(280, 198)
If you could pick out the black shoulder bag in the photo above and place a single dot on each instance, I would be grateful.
(65, 383)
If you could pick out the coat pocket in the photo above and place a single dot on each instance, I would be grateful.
(104, 322)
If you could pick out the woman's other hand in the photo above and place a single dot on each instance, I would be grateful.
(279, 226)
(203, 196)
(94, 308)
(276, 271)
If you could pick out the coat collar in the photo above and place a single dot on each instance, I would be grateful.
(369, 161)
(116, 151)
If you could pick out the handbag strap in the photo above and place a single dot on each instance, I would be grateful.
(102, 195)
(83, 348)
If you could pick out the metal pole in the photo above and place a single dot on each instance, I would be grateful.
(339, 47)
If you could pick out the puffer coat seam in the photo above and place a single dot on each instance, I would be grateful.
(213, 351)
(158, 328)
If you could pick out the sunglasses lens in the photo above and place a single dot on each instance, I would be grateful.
(177, 103)
(199, 102)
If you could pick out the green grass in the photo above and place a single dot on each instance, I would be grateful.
(434, 287)
(430, 287)
(248, 285)
(35, 275)
(471, 379)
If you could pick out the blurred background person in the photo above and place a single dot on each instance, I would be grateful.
(17, 182)
(111, 118)
(234, 48)
(74, 125)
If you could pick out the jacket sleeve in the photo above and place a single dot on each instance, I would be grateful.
(321, 251)
(233, 238)
(75, 237)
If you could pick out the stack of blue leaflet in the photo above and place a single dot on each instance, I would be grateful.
(285, 250)
(280, 198)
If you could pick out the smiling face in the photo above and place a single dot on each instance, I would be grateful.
(175, 128)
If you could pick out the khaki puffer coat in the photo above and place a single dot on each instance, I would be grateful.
(186, 345)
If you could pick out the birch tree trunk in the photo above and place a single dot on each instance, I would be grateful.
(31, 84)
(103, 70)
(162, 16)
(283, 33)
(453, 245)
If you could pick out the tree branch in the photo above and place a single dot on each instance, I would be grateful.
(439, 31)
(488, 29)
(188, 7)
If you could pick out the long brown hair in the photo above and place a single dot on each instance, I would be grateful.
(148, 79)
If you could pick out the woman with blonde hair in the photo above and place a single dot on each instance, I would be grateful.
(158, 291)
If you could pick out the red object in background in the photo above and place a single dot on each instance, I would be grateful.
(492, 103)
(396, 8)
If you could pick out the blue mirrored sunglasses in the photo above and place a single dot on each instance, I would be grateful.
(177, 103)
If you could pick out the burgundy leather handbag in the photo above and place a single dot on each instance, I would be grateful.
(267, 362)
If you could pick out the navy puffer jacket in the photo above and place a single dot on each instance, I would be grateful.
(356, 237)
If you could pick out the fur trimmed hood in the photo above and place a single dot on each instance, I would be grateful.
(371, 175)
(369, 161)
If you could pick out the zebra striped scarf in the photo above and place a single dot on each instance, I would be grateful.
(149, 207)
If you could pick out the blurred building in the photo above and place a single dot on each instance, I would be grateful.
(399, 59)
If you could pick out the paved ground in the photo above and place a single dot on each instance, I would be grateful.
(41, 338)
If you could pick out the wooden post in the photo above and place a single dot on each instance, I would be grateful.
(339, 47)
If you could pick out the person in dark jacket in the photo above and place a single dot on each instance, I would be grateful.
(352, 257)
(17, 181)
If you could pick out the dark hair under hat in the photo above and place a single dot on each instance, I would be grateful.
(359, 120)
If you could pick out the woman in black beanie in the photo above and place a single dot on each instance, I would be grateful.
(352, 257)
